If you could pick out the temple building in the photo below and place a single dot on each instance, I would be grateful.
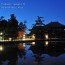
(55, 30)
(50, 30)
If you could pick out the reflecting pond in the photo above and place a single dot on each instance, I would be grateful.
(37, 53)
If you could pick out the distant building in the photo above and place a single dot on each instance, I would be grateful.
(55, 30)
(38, 32)
(37, 29)
(50, 30)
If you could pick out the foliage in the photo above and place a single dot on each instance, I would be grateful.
(10, 27)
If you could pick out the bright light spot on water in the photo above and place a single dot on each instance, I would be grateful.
(1, 48)
(46, 43)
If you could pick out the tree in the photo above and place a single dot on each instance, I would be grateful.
(39, 22)
(22, 26)
(13, 26)
(3, 27)
(1, 18)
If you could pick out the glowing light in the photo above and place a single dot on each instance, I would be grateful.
(10, 39)
(46, 36)
(24, 37)
(33, 43)
(1, 48)
(1, 33)
(33, 36)
(46, 43)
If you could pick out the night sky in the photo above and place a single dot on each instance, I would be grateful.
(51, 10)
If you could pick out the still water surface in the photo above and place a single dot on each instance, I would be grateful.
(37, 54)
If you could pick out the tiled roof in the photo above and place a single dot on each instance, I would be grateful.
(54, 24)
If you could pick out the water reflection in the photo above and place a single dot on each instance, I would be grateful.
(38, 58)
(46, 43)
(53, 49)
(37, 54)
(11, 54)
(38, 50)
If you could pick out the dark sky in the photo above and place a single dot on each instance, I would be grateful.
(51, 10)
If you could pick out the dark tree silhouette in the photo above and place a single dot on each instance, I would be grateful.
(22, 26)
(1, 18)
(13, 26)
(3, 27)
(39, 21)
(10, 28)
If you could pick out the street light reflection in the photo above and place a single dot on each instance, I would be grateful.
(46, 43)
(24, 44)
(1, 48)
